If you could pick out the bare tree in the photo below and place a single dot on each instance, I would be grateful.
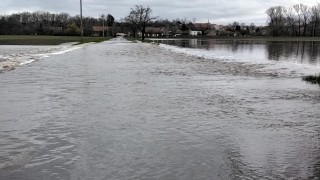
(194, 20)
(271, 12)
(141, 16)
(252, 27)
(290, 20)
(305, 12)
(299, 14)
(315, 18)
(276, 19)
(132, 20)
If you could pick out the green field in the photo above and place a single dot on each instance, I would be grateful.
(45, 40)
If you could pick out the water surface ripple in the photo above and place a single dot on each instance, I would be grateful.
(120, 110)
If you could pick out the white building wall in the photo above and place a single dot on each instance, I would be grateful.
(195, 33)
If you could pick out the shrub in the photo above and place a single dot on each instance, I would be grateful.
(312, 79)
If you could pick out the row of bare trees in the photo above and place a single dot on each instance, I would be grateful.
(46, 23)
(298, 20)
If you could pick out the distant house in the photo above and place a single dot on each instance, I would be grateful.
(154, 31)
(195, 33)
(211, 33)
(98, 30)
(236, 34)
(177, 33)
(219, 27)
(202, 29)
(225, 33)
(166, 31)
(204, 26)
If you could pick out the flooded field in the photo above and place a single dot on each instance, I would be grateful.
(299, 52)
(121, 110)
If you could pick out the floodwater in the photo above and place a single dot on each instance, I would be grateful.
(120, 110)
(300, 52)
(16, 55)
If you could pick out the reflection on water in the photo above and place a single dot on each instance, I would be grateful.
(302, 52)
(119, 110)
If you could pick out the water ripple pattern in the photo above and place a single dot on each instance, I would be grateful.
(122, 110)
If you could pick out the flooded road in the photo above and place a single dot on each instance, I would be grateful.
(121, 110)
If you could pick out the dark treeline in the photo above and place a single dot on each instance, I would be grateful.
(298, 20)
(46, 23)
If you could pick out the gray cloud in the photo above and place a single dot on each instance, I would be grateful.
(217, 11)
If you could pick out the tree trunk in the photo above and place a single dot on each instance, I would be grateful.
(134, 32)
(315, 28)
(305, 29)
(292, 30)
(143, 34)
(312, 30)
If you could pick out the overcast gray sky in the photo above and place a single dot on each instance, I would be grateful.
(217, 11)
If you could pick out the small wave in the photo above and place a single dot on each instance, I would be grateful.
(223, 56)
(22, 55)
(27, 62)
(66, 50)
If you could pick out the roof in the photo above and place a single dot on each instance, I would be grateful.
(203, 26)
(153, 30)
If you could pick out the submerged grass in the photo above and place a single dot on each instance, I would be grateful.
(45, 40)
(313, 79)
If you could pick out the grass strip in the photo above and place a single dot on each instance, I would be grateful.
(45, 40)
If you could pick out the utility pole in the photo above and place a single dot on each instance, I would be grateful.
(102, 16)
(81, 26)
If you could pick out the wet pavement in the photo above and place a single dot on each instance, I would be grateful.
(121, 110)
